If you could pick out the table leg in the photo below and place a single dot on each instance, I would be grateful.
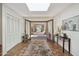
(69, 45)
(63, 44)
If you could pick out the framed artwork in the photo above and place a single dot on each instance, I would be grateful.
(71, 24)
(39, 28)
(35, 28)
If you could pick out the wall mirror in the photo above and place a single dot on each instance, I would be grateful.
(39, 28)
(71, 24)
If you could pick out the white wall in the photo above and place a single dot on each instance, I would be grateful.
(13, 28)
(0, 23)
(71, 11)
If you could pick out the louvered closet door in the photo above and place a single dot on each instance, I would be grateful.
(9, 31)
(16, 30)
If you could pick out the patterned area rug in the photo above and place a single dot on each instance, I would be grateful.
(37, 48)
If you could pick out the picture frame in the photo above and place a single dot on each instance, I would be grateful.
(71, 24)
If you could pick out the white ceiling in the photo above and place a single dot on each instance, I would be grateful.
(23, 10)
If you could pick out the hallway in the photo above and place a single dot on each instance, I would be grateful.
(24, 22)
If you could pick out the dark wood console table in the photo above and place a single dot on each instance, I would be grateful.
(64, 38)
(69, 42)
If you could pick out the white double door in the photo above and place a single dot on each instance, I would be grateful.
(12, 31)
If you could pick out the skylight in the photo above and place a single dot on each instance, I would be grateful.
(38, 6)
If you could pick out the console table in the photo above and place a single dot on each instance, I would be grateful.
(69, 42)
(65, 39)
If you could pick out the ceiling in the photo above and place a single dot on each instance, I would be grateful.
(38, 6)
(24, 11)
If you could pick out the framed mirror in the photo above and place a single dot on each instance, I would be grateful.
(39, 28)
(71, 24)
